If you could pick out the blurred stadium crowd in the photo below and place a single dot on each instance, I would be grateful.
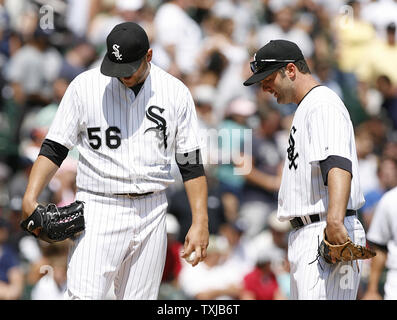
(350, 46)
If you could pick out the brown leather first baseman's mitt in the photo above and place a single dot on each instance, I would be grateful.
(55, 224)
(347, 251)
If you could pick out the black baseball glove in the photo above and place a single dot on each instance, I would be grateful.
(55, 224)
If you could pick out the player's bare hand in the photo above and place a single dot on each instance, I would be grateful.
(196, 241)
(336, 233)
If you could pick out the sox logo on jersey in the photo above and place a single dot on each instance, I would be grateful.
(161, 124)
(291, 150)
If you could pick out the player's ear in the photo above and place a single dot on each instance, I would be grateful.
(149, 55)
(291, 70)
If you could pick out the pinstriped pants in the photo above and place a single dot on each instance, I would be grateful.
(320, 280)
(124, 242)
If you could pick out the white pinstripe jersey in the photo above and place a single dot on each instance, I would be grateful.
(126, 142)
(383, 228)
(321, 127)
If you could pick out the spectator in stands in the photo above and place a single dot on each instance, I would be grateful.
(11, 275)
(367, 160)
(379, 13)
(325, 74)
(261, 282)
(179, 35)
(108, 14)
(284, 28)
(259, 196)
(169, 288)
(389, 95)
(380, 59)
(52, 269)
(76, 60)
(221, 41)
(387, 175)
(207, 281)
(353, 36)
(237, 261)
(232, 136)
(32, 70)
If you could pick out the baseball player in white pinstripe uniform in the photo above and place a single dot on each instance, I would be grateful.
(127, 118)
(382, 235)
(320, 186)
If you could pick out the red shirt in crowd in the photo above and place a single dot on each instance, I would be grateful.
(262, 285)
(173, 263)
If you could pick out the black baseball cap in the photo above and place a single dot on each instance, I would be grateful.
(391, 27)
(127, 44)
(271, 57)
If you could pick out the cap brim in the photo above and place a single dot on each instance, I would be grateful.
(256, 77)
(119, 70)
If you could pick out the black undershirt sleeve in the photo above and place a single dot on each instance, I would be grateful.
(190, 165)
(54, 151)
(334, 162)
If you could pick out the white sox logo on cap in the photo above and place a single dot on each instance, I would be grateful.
(131, 40)
(116, 52)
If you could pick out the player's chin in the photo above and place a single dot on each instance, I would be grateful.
(128, 83)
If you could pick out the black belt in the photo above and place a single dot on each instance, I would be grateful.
(133, 195)
(298, 222)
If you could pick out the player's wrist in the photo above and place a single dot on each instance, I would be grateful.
(29, 204)
(335, 221)
(373, 287)
(373, 290)
(200, 219)
(200, 225)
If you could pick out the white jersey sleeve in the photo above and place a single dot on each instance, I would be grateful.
(329, 134)
(65, 126)
(383, 228)
(380, 229)
(187, 135)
